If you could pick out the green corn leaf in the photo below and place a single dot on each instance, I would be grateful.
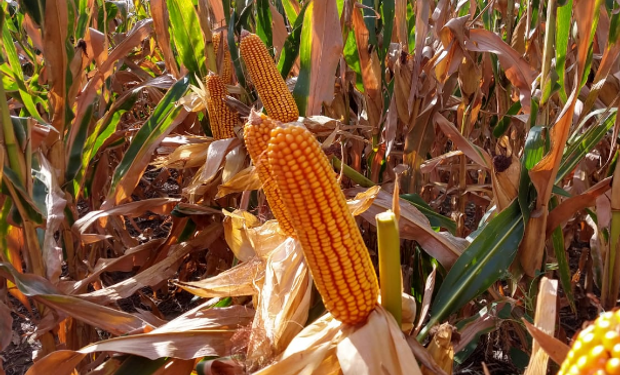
(263, 23)
(577, 150)
(563, 268)
(535, 149)
(436, 219)
(162, 117)
(481, 264)
(291, 45)
(562, 34)
(187, 36)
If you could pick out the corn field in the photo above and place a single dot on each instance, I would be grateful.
(357, 187)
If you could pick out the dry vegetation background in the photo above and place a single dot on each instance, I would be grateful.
(132, 241)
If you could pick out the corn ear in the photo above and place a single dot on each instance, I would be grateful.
(270, 85)
(256, 134)
(331, 241)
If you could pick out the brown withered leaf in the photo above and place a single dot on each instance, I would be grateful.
(415, 226)
(556, 349)
(223, 367)
(132, 176)
(570, 206)
(517, 70)
(371, 70)
(54, 38)
(161, 206)
(159, 13)
(184, 345)
(475, 153)
(326, 48)
(429, 287)
(177, 366)
(133, 257)
(159, 271)
(39, 289)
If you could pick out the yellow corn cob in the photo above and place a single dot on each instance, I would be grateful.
(270, 85)
(226, 68)
(596, 349)
(329, 236)
(222, 118)
(256, 134)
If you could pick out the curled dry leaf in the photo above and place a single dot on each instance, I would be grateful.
(330, 347)
(157, 272)
(283, 303)
(40, 289)
(505, 178)
(440, 348)
(236, 225)
(159, 206)
(244, 279)
(414, 226)
(245, 180)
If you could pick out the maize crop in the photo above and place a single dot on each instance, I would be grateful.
(330, 238)
(269, 84)
(256, 134)
(226, 67)
(222, 118)
(597, 348)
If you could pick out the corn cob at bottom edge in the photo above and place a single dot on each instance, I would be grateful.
(596, 350)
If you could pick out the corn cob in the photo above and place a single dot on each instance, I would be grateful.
(270, 85)
(222, 118)
(596, 349)
(256, 134)
(329, 236)
(226, 67)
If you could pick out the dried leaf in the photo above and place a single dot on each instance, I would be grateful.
(245, 180)
(517, 70)
(570, 206)
(242, 280)
(415, 226)
(477, 154)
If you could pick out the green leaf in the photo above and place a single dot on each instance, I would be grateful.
(436, 219)
(187, 36)
(263, 23)
(577, 150)
(388, 26)
(302, 87)
(291, 45)
(503, 124)
(74, 163)
(162, 117)
(534, 150)
(562, 34)
(563, 267)
(16, 68)
(481, 264)
(234, 50)
(35, 9)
